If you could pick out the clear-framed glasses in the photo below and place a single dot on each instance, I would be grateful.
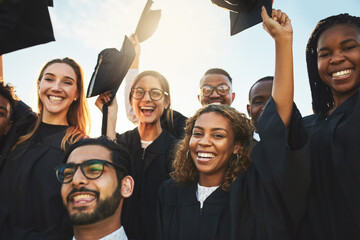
(154, 93)
(221, 89)
(92, 169)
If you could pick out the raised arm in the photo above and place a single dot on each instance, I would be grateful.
(112, 113)
(280, 29)
(129, 78)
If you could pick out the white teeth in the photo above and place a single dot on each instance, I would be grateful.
(206, 155)
(82, 196)
(147, 108)
(215, 103)
(54, 98)
(342, 73)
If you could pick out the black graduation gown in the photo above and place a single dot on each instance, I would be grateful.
(9, 232)
(334, 203)
(177, 129)
(180, 217)
(150, 168)
(28, 178)
(23, 117)
(268, 200)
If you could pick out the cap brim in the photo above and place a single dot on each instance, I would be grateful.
(24, 24)
(111, 68)
(244, 20)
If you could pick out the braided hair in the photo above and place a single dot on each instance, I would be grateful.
(322, 98)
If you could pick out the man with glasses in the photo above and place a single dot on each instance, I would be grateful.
(95, 181)
(216, 88)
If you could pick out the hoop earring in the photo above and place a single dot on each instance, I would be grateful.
(188, 156)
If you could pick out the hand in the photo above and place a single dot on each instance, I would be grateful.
(279, 26)
(102, 99)
(135, 42)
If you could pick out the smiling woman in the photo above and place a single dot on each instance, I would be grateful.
(27, 172)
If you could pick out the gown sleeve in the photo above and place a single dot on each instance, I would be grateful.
(268, 200)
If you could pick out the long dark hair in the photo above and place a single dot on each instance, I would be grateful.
(322, 98)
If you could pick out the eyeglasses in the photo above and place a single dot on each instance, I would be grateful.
(154, 93)
(92, 169)
(221, 89)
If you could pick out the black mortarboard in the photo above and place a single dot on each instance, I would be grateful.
(24, 23)
(244, 13)
(148, 22)
(110, 70)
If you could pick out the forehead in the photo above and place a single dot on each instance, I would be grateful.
(213, 120)
(87, 152)
(148, 82)
(215, 80)
(61, 69)
(261, 88)
(338, 33)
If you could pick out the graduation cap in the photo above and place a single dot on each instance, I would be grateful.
(24, 23)
(148, 22)
(110, 70)
(244, 13)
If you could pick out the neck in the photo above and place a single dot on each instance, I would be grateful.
(210, 180)
(149, 132)
(54, 119)
(97, 230)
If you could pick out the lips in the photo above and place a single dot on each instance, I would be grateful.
(55, 98)
(339, 75)
(147, 110)
(205, 156)
(82, 197)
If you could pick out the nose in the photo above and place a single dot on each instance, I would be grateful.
(205, 141)
(214, 94)
(337, 58)
(56, 85)
(79, 178)
(147, 96)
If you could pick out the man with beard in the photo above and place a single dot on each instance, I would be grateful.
(95, 182)
(259, 94)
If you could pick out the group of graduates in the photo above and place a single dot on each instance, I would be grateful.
(215, 175)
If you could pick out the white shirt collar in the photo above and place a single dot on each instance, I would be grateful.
(116, 235)
(256, 136)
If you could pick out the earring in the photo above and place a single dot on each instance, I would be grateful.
(188, 156)
(75, 99)
(237, 158)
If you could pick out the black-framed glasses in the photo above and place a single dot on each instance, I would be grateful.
(154, 93)
(91, 169)
(221, 89)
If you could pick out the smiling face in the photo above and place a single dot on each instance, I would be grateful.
(57, 91)
(339, 60)
(215, 80)
(211, 146)
(89, 201)
(259, 95)
(147, 110)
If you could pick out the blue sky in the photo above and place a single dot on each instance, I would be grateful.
(193, 36)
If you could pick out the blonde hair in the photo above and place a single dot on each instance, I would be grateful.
(184, 169)
(78, 115)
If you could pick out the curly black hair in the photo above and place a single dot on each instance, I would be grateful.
(322, 98)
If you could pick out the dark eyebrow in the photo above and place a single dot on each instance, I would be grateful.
(212, 129)
(3, 108)
(342, 43)
(53, 75)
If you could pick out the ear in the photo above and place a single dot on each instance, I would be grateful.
(237, 148)
(232, 96)
(248, 109)
(127, 186)
(166, 104)
(8, 127)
